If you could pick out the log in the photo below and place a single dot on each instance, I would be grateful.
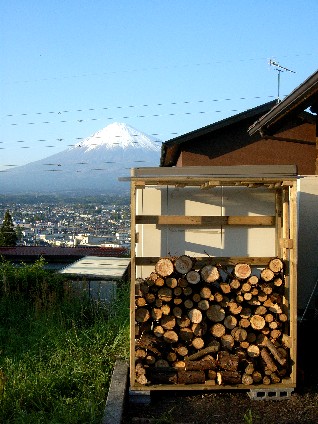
(242, 271)
(191, 377)
(228, 361)
(225, 287)
(181, 350)
(182, 282)
(186, 334)
(235, 284)
(274, 351)
(193, 277)
(197, 343)
(253, 280)
(160, 282)
(217, 330)
(162, 375)
(213, 348)
(227, 341)
(183, 322)
(140, 301)
(156, 314)
(164, 267)
(257, 322)
(276, 265)
(199, 329)
(247, 379)
(230, 322)
(267, 274)
(171, 356)
(210, 274)
(205, 363)
(195, 315)
(239, 334)
(187, 291)
(234, 308)
(158, 331)
(253, 351)
(228, 377)
(168, 322)
(142, 315)
(165, 294)
(177, 312)
(270, 364)
(215, 313)
(257, 377)
(170, 336)
(203, 304)
(183, 264)
(197, 298)
(188, 304)
(171, 282)
(165, 309)
(205, 293)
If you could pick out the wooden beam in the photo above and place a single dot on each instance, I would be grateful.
(201, 261)
(208, 221)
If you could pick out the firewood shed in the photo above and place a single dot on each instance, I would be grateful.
(213, 278)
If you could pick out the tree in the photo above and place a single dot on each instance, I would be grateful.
(8, 236)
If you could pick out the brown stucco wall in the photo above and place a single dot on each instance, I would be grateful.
(235, 147)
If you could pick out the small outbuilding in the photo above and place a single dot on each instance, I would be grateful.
(98, 276)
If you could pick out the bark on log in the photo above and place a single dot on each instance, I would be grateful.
(228, 361)
(206, 363)
(270, 364)
(191, 377)
(228, 377)
(213, 348)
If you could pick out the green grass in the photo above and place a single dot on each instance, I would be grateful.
(57, 348)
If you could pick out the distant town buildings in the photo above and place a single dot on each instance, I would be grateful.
(70, 225)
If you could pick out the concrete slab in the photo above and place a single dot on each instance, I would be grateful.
(116, 395)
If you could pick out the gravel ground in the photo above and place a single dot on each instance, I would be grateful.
(236, 407)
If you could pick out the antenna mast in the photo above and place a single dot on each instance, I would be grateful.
(279, 70)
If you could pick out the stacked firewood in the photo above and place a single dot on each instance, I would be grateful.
(211, 325)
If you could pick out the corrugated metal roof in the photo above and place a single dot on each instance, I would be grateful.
(111, 268)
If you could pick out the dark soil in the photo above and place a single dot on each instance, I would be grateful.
(236, 407)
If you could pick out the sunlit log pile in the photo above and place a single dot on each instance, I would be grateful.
(211, 325)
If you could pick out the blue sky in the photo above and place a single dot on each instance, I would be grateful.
(69, 68)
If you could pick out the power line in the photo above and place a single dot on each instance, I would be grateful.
(155, 68)
(184, 102)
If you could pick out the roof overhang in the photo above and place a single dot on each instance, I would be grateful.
(303, 97)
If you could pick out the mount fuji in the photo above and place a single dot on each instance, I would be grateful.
(92, 165)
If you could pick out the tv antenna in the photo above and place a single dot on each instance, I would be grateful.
(279, 70)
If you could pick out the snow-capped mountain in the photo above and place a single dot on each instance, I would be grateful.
(94, 164)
